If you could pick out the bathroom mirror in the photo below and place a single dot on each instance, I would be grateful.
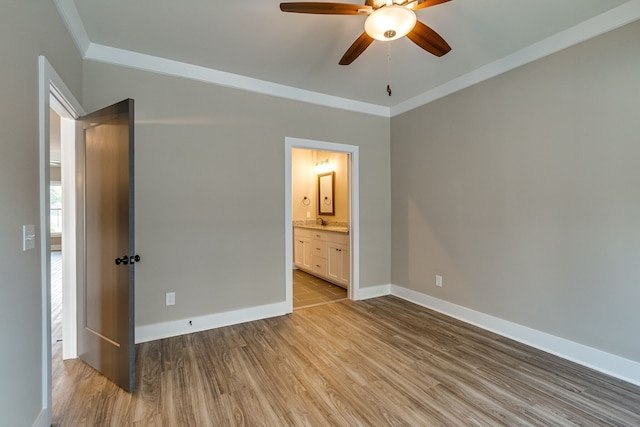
(325, 194)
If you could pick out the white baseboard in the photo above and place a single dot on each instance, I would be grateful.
(175, 328)
(373, 292)
(43, 419)
(598, 360)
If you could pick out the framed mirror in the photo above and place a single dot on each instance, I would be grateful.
(325, 194)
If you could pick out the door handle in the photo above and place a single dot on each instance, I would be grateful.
(128, 259)
(124, 260)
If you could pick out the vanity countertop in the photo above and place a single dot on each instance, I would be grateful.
(334, 228)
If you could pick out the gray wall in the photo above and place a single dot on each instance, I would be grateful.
(524, 193)
(210, 189)
(55, 173)
(27, 29)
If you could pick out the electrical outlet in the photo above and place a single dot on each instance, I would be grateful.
(438, 280)
(170, 298)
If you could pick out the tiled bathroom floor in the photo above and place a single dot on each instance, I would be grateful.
(308, 290)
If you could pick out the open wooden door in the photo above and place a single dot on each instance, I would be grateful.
(106, 300)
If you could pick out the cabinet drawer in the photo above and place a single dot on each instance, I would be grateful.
(319, 248)
(302, 232)
(340, 238)
(319, 265)
(319, 235)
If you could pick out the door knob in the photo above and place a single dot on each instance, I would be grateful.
(128, 259)
(124, 260)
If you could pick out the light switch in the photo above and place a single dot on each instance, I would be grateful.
(28, 237)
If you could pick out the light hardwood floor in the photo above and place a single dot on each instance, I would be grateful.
(378, 362)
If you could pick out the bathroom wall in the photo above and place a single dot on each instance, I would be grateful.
(340, 165)
(305, 184)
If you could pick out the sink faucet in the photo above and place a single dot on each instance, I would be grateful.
(321, 221)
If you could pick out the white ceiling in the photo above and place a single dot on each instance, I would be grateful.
(253, 38)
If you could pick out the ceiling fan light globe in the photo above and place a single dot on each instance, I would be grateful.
(390, 23)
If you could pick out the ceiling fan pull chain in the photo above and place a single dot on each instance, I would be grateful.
(389, 68)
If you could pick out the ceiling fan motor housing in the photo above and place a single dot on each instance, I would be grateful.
(390, 22)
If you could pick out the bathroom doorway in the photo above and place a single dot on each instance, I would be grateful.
(322, 230)
(320, 214)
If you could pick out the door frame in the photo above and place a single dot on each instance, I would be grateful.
(354, 211)
(50, 85)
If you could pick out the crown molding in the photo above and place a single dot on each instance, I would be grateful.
(608, 21)
(141, 61)
(69, 14)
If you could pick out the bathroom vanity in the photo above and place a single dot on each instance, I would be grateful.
(324, 251)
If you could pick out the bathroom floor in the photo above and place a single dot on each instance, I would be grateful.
(310, 291)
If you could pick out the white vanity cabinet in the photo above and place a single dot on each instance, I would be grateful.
(325, 254)
(302, 252)
(339, 259)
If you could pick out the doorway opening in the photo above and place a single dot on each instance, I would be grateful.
(55, 231)
(55, 97)
(63, 211)
(321, 221)
(320, 202)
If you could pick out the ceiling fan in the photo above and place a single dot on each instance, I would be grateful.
(386, 20)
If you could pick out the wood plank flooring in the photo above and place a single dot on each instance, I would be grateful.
(377, 362)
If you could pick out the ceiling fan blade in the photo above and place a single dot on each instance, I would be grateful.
(428, 3)
(356, 49)
(428, 39)
(326, 8)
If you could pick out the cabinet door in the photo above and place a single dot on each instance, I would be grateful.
(334, 269)
(302, 252)
(339, 268)
(298, 252)
(306, 260)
